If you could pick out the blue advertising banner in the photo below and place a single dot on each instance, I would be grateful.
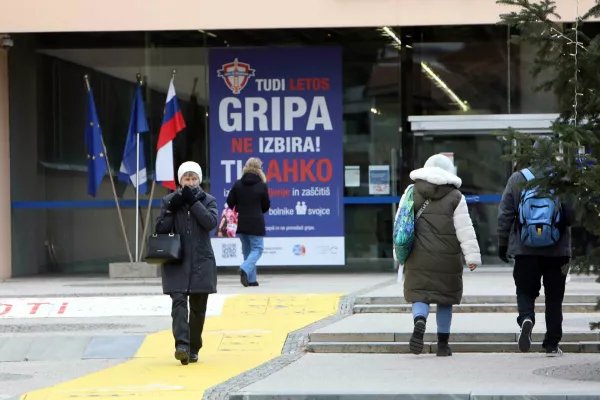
(283, 105)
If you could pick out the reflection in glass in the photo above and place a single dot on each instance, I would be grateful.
(479, 163)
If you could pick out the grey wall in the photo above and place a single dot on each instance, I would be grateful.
(27, 180)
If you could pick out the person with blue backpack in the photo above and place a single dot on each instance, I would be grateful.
(432, 233)
(534, 229)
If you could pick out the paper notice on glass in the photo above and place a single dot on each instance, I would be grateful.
(379, 179)
(352, 175)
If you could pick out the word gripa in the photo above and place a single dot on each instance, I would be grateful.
(235, 116)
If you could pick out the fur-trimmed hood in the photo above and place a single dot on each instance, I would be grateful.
(434, 182)
(436, 176)
(254, 171)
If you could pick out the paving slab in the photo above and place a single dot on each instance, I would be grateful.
(43, 348)
(313, 282)
(113, 346)
(464, 376)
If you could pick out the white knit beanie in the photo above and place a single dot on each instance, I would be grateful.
(441, 161)
(189, 166)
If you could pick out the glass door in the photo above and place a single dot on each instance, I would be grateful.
(479, 163)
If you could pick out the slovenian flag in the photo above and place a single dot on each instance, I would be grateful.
(172, 124)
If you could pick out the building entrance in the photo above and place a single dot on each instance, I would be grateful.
(477, 148)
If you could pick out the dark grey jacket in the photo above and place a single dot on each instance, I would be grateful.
(197, 273)
(508, 215)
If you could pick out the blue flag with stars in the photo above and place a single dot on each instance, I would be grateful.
(95, 151)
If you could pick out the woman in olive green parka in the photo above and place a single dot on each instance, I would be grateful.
(443, 235)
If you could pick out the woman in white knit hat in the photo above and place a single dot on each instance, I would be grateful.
(191, 213)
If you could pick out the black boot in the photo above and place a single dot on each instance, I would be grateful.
(182, 355)
(244, 278)
(443, 350)
(416, 341)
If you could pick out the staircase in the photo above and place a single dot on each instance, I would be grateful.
(382, 323)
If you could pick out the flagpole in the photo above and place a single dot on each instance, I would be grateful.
(112, 183)
(137, 188)
(152, 189)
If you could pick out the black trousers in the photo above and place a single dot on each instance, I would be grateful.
(528, 273)
(188, 334)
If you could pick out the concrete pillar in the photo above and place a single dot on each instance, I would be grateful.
(5, 207)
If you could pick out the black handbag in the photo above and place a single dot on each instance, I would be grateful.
(164, 248)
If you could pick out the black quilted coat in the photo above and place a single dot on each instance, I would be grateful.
(197, 272)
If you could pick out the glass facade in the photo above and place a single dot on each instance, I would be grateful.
(389, 75)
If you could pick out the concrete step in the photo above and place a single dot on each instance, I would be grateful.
(471, 332)
(431, 347)
(387, 299)
(471, 308)
(399, 337)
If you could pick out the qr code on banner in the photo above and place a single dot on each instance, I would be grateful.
(229, 250)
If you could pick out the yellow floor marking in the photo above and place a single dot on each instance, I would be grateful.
(250, 331)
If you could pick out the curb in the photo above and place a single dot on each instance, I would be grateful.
(470, 308)
(294, 348)
(367, 299)
(418, 396)
(431, 347)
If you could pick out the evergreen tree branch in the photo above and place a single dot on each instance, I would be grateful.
(593, 12)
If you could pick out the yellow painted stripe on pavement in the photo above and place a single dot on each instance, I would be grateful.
(250, 331)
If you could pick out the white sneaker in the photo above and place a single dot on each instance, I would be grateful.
(557, 352)
(525, 335)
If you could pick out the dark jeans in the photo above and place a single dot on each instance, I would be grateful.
(188, 335)
(528, 273)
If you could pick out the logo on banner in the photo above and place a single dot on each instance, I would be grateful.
(301, 208)
(236, 75)
(299, 250)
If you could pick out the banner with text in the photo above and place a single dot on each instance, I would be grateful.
(283, 105)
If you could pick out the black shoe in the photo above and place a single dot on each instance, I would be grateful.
(194, 358)
(554, 352)
(181, 354)
(244, 278)
(525, 335)
(416, 340)
(443, 350)
(253, 283)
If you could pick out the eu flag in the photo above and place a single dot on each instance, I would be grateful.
(95, 151)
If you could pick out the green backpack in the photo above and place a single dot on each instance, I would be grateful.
(404, 225)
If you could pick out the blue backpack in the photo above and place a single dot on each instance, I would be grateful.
(539, 216)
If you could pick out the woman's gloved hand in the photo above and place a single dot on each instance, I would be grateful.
(175, 203)
(188, 195)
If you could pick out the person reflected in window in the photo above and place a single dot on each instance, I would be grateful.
(250, 197)
(191, 213)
